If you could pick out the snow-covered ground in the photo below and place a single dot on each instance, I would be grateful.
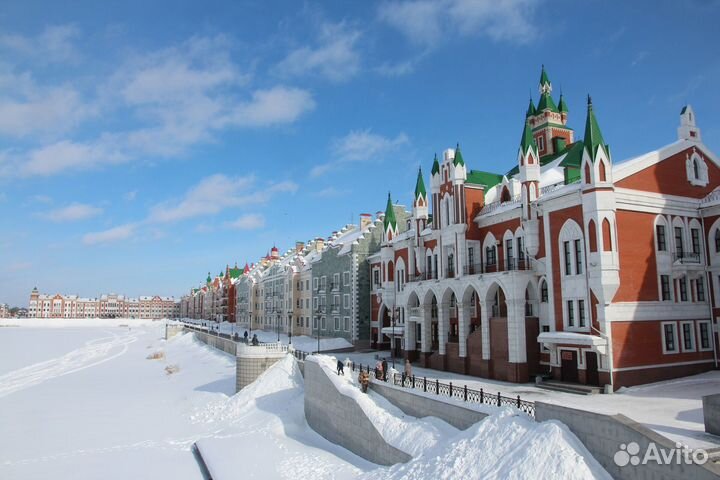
(672, 408)
(89, 404)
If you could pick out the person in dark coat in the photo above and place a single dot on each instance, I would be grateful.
(384, 370)
(340, 368)
(255, 340)
(245, 335)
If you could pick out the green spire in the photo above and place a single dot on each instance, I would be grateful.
(528, 141)
(531, 109)
(458, 160)
(420, 186)
(389, 219)
(545, 84)
(209, 278)
(436, 166)
(547, 103)
(562, 106)
(593, 137)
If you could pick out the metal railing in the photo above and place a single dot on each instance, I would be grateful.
(687, 258)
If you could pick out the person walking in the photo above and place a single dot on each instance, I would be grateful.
(363, 380)
(255, 340)
(384, 370)
(340, 368)
(245, 336)
(378, 370)
(408, 370)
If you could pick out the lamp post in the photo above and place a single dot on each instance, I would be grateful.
(318, 333)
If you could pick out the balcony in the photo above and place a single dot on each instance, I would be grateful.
(473, 269)
(334, 287)
(422, 276)
(335, 308)
(450, 272)
(686, 258)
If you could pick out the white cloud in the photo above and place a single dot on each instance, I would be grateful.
(115, 234)
(250, 221)
(55, 44)
(335, 57)
(329, 192)
(274, 106)
(72, 213)
(396, 69)
(427, 22)
(216, 193)
(130, 196)
(359, 146)
(66, 155)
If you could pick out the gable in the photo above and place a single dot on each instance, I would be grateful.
(669, 176)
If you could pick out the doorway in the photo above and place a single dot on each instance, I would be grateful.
(568, 366)
(591, 363)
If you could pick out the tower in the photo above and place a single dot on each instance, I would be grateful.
(435, 180)
(390, 225)
(529, 169)
(688, 130)
(420, 204)
(548, 121)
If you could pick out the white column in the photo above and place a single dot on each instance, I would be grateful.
(410, 340)
(485, 329)
(517, 351)
(443, 323)
(463, 323)
(425, 341)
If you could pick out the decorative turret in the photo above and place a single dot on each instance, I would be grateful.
(528, 147)
(593, 136)
(562, 106)
(458, 159)
(531, 109)
(389, 221)
(436, 166)
(246, 270)
(420, 193)
(548, 122)
(274, 253)
(529, 169)
(208, 280)
(688, 130)
(545, 86)
(420, 204)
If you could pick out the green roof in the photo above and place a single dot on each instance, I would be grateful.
(458, 160)
(487, 179)
(547, 103)
(209, 278)
(527, 141)
(436, 166)
(573, 158)
(562, 106)
(420, 186)
(544, 80)
(531, 109)
(389, 219)
(235, 272)
(593, 137)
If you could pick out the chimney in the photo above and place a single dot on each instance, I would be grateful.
(379, 215)
(299, 247)
(365, 221)
(319, 244)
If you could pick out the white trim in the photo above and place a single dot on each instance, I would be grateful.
(663, 365)
(675, 338)
(681, 334)
(629, 167)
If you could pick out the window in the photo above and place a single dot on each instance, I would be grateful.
(490, 256)
(545, 328)
(336, 281)
(578, 257)
(665, 287)
(717, 240)
(315, 323)
(544, 292)
(315, 283)
(700, 289)
(471, 256)
(683, 289)
(688, 336)
(571, 313)
(336, 321)
(581, 313)
(322, 323)
(520, 249)
(323, 282)
(346, 301)
(346, 324)
(679, 242)
(568, 260)
(509, 254)
(704, 336)
(669, 338)
(376, 277)
(315, 303)
(307, 285)
(661, 240)
(695, 237)
(346, 278)
(541, 143)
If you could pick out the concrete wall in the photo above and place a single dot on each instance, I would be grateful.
(602, 435)
(340, 419)
(711, 412)
(172, 329)
(248, 369)
(227, 346)
(420, 406)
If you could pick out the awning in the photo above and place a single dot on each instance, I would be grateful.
(398, 331)
(572, 338)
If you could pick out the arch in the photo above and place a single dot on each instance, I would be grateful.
(592, 235)
(495, 300)
(413, 300)
(588, 179)
(571, 247)
(544, 293)
(602, 173)
(717, 240)
(607, 235)
(390, 271)
(505, 195)
(532, 300)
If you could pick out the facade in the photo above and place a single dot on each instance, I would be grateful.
(107, 306)
(568, 264)
(4, 310)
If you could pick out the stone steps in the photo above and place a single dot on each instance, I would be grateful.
(566, 387)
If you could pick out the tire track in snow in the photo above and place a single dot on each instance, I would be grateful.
(94, 352)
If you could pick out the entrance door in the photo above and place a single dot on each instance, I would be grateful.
(568, 366)
(591, 362)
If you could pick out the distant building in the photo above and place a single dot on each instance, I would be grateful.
(4, 310)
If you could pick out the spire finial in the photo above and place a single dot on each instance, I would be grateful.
(589, 100)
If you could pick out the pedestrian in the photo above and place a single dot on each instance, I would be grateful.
(245, 336)
(378, 370)
(363, 380)
(408, 370)
(255, 340)
(384, 370)
(340, 368)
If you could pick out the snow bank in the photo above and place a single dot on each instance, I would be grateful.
(505, 445)
(404, 432)
(75, 322)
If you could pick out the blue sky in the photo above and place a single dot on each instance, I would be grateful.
(145, 143)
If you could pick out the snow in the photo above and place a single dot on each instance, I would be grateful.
(92, 405)
(672, 408)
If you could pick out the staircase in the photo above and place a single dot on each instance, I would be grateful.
(566, 387)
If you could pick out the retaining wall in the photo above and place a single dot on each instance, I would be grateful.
(711, 412)
(421, 406)
(603, 434)
(227, 346)
(340, 419)
(172, 329)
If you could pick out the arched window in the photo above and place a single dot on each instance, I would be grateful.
(607, 237)
(602, 171)
(696, 168)
(505, 197)
(592, 233)
(587, 173)
(717, 240)
(543, 291)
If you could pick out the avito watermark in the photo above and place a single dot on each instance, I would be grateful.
(629, 454)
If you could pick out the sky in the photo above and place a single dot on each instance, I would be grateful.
(143, 144)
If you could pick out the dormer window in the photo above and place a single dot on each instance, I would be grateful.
(697, 171)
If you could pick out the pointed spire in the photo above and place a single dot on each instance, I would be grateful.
(435, 166)
(527, 141)
(420, 186)
(562, 106)
(545, 84)
(458, 160)
(531, 108)
(593, 137)
(389, 219)
(209, 278)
